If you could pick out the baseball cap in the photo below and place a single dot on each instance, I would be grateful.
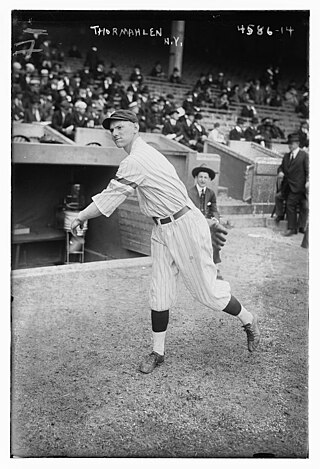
(120, 115)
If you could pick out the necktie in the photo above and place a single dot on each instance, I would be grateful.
(202, 196)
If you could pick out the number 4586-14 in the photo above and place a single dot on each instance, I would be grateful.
(261, 30)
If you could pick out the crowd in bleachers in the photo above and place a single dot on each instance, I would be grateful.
(47, 89)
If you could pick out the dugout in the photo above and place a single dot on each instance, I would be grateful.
(41, 175)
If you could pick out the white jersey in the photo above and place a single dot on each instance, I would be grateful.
(160, 191)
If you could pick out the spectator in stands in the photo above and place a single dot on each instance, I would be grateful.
(291, 95)
(252, 134)
(256, 92)
(237, 133)
(136, 108)
(33, 112)
(277, 132)
(276, 100)
(145, 102)
(267, 78)
(215, 135)
(175, 77)
(135, 87)
(74, 52)
(268, 94)
(46, 106)
(18, 107)
(154, 119)
(86, 75)
(92, 59)
(219, 81)
(199, 133)
(209, 81)
(190, 103)
(128, 98)
(185, 122)
(222, 101)
(99, 74)
(244, 93)
(136, 75)
(303, 134)
(114, 74)
(171, 127)
(157, 71)
(228, 88)
(235, 94)
(276, 77)
(248, 111)
(267, 132)
(303, 107)
(170, 104)
(202, 83)
(62, 119)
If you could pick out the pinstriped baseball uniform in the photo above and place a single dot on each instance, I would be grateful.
(180, 247)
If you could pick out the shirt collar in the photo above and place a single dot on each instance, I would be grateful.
(200, 189)
(295, 152)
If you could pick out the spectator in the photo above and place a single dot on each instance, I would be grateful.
(219, 81)
(268, 94)
(256, 93)
(185, 122)
(135, 87)
(136, 75)
(136, 108)
(128, 98)
(248, 111)
(267, 132)
(92, 59)
(154, 119)
(33, 112)
(252, 134)
(276, 100)
(201, 83)
(235, 94)
(216, 135)
(291, 95)
(145, 102)
(303, 134)
(209, 81)
(268, 75)
(62, 119)
(175, 76)
(114, 74)
(169, 104)
(199, 134)
(157, 71)
(303, 107)
(46, 106)
(74, 52)
(86, 75)
(244, 93)
(222, 102)
(18, 107)
(99, 74)
(171, 127)
(228, 88)
(277, 132)
(190, 103)
(237, 133)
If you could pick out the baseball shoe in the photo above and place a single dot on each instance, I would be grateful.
(150, 362)
(278, 219)
(253, 334)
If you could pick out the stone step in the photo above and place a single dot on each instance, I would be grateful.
(243, 221)
(233, 207)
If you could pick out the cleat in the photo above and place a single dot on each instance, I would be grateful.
(253, 334)
(150, 362)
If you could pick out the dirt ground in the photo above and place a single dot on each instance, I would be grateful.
(78, 333)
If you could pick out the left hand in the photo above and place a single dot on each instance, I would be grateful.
(218, 235)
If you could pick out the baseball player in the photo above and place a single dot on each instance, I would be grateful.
(206, 201)
(180, 240)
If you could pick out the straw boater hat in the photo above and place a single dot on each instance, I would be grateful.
(203, 169)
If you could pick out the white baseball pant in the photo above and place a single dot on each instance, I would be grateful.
(184, 247)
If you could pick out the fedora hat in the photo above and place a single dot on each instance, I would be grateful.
(293, 138)
(203, 169)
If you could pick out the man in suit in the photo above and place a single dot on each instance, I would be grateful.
(237, 132)
(205, 200)
(294, 172)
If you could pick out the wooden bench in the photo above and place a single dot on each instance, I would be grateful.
(38, 235)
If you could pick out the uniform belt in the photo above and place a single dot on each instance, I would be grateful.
(175, 216)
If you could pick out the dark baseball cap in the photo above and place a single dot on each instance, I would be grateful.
(120, 115)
